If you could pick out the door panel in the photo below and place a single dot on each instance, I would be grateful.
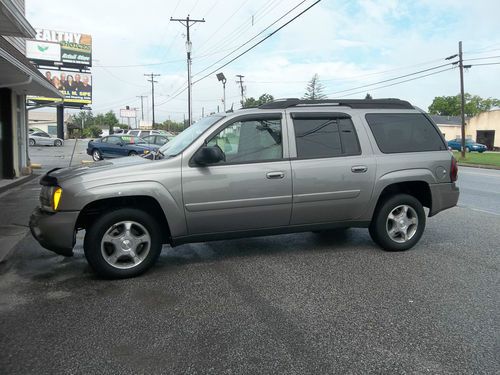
(236, 197)
(251, 189)
(326, 190)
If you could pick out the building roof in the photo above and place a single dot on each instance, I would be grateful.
(17, 72)
(447, 120)
(13, 22)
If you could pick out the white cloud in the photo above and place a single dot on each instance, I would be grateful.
(345, 42)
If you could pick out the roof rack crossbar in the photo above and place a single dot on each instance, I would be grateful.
(389, 103)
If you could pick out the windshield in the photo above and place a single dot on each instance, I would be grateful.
(184, 139)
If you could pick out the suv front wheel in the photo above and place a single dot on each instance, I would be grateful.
(398, 223)
(123, 243)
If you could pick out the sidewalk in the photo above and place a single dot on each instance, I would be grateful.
(16, 206)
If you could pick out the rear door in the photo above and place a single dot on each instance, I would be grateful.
(332, 178)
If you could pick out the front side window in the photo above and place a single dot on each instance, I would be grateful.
(324, 136)
(250, 141)
(134, 132)
(404, 132)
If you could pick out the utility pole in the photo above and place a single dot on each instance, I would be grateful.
(142, 106)
(462, 95)
(241, 88)
(152, 80)
(187, 22)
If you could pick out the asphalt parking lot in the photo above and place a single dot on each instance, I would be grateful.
(300, 303)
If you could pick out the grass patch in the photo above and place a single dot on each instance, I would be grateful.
(486, 158)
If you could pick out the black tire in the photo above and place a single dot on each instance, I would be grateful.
(379, 226)
(96, 155)
(132, 153)
(32, 142)
(57, 143)
(94, 235)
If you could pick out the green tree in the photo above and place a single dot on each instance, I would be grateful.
(368, 96)
(252, 102)
(314, 89)
(83, 117)
(92, 131)
(450, 105)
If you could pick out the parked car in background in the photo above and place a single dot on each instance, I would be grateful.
(114, 146)
(144, 133)
(158, 139)
(470, 145)
(44, 139)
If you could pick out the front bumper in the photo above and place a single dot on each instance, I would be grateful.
(55, 232)
(443, 196)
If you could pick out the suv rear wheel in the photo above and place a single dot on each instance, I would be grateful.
(398, 223)
(123, 243)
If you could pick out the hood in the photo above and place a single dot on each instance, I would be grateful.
(97, 167)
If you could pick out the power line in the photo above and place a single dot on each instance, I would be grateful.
(248, 41)
(259, 42)
(391, 79)
(495, 63)
(400, 82)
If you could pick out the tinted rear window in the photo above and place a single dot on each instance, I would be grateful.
(404, 132)
(324, 137)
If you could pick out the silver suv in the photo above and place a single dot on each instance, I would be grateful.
(286, 166)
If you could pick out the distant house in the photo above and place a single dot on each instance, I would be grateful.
(483, 128)
(449, 126)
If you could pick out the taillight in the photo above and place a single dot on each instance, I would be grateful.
(454, 169)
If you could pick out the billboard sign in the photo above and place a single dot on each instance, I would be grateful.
(43, 51)
(76, 49)
(75, 86)
(128, 113)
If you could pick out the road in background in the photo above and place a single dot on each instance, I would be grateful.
(479, 189)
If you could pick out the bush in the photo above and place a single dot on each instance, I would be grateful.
(92, 132)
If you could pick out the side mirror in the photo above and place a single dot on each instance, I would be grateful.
(120, 144)
(209, 155)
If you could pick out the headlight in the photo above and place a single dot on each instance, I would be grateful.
(50, 198)
(146, 151)
(56, 197)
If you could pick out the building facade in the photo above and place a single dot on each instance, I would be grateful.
(18, 78)
(483, 128)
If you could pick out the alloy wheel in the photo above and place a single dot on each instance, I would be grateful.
(402, 223)
(125, 244)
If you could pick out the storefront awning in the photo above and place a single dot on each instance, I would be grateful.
(13, 22)
(18, 73)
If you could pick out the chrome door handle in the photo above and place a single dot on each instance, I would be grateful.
(275, 175)
(359, 169)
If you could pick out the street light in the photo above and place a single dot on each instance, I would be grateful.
(222, 78)
(189, 47)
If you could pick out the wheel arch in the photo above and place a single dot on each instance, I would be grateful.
(142, 202)
(419, 189)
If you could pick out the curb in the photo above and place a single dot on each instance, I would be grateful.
(483, 166)
(18, 182)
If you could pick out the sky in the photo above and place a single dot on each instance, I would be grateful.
(348, 43)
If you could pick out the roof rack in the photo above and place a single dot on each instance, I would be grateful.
(353, 103)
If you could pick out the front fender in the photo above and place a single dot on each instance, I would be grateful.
(172, 208)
